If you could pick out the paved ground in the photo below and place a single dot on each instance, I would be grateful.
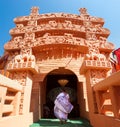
(56, 123)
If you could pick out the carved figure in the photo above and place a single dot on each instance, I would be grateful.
(53, 23)
(68, 38)
(91, 56)
(29, 36)
(24, 58)
(83, 11)
(28, 58)
(48, 39)
(94, 56)
(18, 59)
(97, 76)
(32, 23)
(91, 36)
(19, 25)
(68, 24)
(101, 57)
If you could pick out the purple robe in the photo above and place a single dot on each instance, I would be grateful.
(62, 106)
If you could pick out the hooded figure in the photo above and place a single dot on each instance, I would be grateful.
(62, 106)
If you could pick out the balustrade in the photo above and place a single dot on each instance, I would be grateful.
(95, 64)
(10, 93)
(107, 94)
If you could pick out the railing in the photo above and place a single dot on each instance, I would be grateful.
(10, 93)
(107, 94)
(6, 73)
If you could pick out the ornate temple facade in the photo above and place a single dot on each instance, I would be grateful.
(46, 50)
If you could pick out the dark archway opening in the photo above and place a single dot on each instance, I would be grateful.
(53, 89)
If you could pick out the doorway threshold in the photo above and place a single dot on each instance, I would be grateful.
(75, 122)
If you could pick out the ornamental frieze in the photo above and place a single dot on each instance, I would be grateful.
(53, 25)
(29, 40)
(64, 16)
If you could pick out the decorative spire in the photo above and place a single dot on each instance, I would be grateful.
(34, 11)
(83, 11)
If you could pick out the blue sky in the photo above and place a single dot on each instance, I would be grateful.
(109, 10)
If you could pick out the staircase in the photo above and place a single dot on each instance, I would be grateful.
(56, 123)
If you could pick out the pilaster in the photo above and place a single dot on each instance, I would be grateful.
(23, 68)
(114, 93)
(94, 71)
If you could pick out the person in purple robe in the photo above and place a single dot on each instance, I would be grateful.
(62, 106)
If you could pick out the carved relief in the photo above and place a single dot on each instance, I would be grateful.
(21, 103)
(101, 57)
(21, 61)
(92, 40)
(19, 26)
(59, 39)
(89, 27)
(94, 53)
(94, 56)
(99, 28)
(14, 43)
(35, 15)
(30, 41)
(47, 39)
(91, 36)
(32, 23)
(29, 36)
(21, 78)
(69, 38)
(26, 50)
(18, 59)
(104, 44)
(53, 24)
(97, 75)
(24, 58)
(67, 24)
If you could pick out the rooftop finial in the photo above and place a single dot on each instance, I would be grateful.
(83, 11)
(35, 11)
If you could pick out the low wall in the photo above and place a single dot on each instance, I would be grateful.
(104, 121)
(17, 121)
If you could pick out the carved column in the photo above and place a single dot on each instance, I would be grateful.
(27, 93)
(35, 101)
(25, 79)
(23, 68)
(115, 94)
(94, 71)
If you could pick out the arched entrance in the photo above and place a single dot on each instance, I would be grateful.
(53, 88)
